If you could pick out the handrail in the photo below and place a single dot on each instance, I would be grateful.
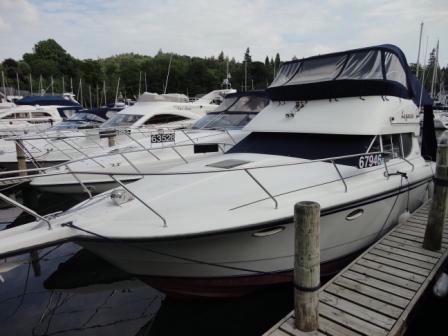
(262, 187)
(80, 182)
(139, 199)
(26, 209)
(100, 156)
(246, 170)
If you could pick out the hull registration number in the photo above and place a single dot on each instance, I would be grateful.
(367, 161)
(163, 137)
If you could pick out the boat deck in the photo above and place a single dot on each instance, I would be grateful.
(375, 294)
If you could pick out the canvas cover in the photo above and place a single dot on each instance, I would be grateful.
(378, 70)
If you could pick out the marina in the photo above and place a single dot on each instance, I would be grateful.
(146, 192)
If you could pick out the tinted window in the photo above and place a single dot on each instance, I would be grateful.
(306, 146)
(164, 119)
(406, 140)
(249, 104)
(40, 114)
(121, 120)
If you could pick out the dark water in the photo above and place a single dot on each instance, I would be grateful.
(66, 290)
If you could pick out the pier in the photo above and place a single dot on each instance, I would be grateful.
(378, 291)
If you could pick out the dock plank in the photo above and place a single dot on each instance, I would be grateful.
(371, 292)
(350, 321)
(392, 279)
(331, 328)
(397, 264)
(375, 294)
(288, 327)
(391, 270)
(365, 301)
(379, 284)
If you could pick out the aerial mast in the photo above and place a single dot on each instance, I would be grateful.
(168, 74)
(419, 47)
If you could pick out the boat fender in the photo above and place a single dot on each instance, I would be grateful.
(404, 217)
(440, 288)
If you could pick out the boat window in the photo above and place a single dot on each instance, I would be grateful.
(234, 120)
(406, 140)
(363, 65)
(164, 119)
(226, 104)
(19, 115)
(394, 69)
(40, 114)
(318, 70)
(375, 145)
(305, 146)
(249, 104)
(391, 146)
(121, 120)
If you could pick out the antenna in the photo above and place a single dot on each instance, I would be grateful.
(71, 84)
(63, 85)
(168, 74)
(52, 91)
(419, 46)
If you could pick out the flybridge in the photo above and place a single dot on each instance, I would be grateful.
(374, 71)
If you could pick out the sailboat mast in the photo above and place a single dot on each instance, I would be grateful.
(31, 84)
(168, 74)
(417, 64)
(116, 91)
(18, 84)
(434, 70)
(4, 86)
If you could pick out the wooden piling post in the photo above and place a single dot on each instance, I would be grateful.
(21, 158)
(306, 265)
(111, 138)
(437, 213)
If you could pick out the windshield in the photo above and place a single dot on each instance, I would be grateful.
(82, 116)
(224, 120)
(226, 104)
(121, 120)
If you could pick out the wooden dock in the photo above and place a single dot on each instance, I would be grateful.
(376, 293)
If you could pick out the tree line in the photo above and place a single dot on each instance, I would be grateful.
(51, 68)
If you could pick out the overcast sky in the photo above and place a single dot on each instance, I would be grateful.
(101, 28)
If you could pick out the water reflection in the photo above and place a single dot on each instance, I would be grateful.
(72, 292)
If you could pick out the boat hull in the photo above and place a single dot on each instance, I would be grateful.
(254, 256)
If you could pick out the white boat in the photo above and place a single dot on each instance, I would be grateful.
(152, 111)
(35, 113)
(342, 130)
(441, 119)
(160, 150)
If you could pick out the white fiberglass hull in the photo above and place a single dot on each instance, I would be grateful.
(229, 259)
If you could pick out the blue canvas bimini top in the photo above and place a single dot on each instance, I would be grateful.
(378, 70)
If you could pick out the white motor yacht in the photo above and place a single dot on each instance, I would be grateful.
(211, 135)
(152, 111)
(342, 130)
